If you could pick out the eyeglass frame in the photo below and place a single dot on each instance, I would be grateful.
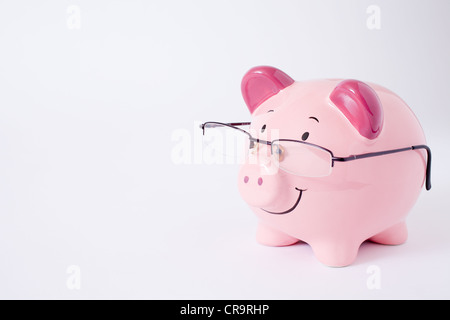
(236, 125)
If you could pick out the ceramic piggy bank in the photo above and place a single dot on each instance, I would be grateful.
(332, 163)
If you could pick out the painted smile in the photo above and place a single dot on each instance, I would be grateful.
(293, 207)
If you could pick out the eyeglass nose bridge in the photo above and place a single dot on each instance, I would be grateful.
(258, 153)
(262, 155)
(255, 145)
(256, 141)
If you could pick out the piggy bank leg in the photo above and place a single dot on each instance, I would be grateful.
(336, 253)
(271, 237)
(394, 235)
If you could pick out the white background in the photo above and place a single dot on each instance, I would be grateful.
(87, 123)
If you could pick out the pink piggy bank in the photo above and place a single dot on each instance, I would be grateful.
(332, 163)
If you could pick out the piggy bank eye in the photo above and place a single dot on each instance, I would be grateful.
(305, 136)
(263, 128)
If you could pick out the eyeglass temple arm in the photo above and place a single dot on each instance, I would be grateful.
(428, 173)
(375, 154)
(235, 125)
(218, 124)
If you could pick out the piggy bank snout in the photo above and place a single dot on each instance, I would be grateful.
(258, 185)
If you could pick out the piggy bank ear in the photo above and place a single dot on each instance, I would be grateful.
(360, 105)
(261, 83)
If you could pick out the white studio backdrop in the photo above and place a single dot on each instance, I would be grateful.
(95, 96)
